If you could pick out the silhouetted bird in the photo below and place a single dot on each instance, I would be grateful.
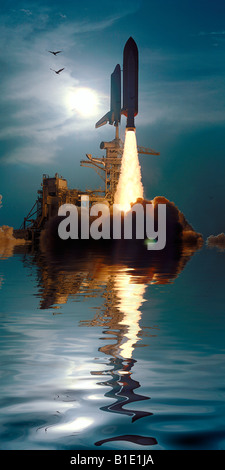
(55, 53)
(57, 71)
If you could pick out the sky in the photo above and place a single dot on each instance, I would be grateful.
(45, 128)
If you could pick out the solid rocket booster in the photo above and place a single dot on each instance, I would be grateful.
(113, 116)
(130, 82)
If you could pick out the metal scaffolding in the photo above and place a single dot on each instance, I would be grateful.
(108, 167)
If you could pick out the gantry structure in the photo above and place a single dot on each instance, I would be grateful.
(108, 167)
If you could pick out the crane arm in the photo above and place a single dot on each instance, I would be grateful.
(147, 151)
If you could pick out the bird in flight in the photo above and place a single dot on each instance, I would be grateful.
(57, 71)
(55, 53)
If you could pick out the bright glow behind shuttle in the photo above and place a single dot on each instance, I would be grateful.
(83, 100)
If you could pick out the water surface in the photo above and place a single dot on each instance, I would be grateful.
(97, 354)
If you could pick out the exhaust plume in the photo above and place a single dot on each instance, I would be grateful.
(130, 186)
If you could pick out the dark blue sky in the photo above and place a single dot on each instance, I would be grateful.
(181, 98)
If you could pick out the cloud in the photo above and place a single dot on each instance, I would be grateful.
(27, 12)
(183, 103)
(217, 37)
(38, 112)
(184, 89)
(33, 154)
(212, 33)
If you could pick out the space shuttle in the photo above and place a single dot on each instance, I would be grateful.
(130, 89)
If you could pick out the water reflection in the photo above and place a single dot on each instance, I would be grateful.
(120, 313)
(120, 319)
(68, 273)
(8, 242)
(123, 327)
(120, 277)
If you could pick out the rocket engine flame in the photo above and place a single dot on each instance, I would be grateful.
(130, 185)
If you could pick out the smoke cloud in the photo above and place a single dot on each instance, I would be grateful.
(217, 241)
